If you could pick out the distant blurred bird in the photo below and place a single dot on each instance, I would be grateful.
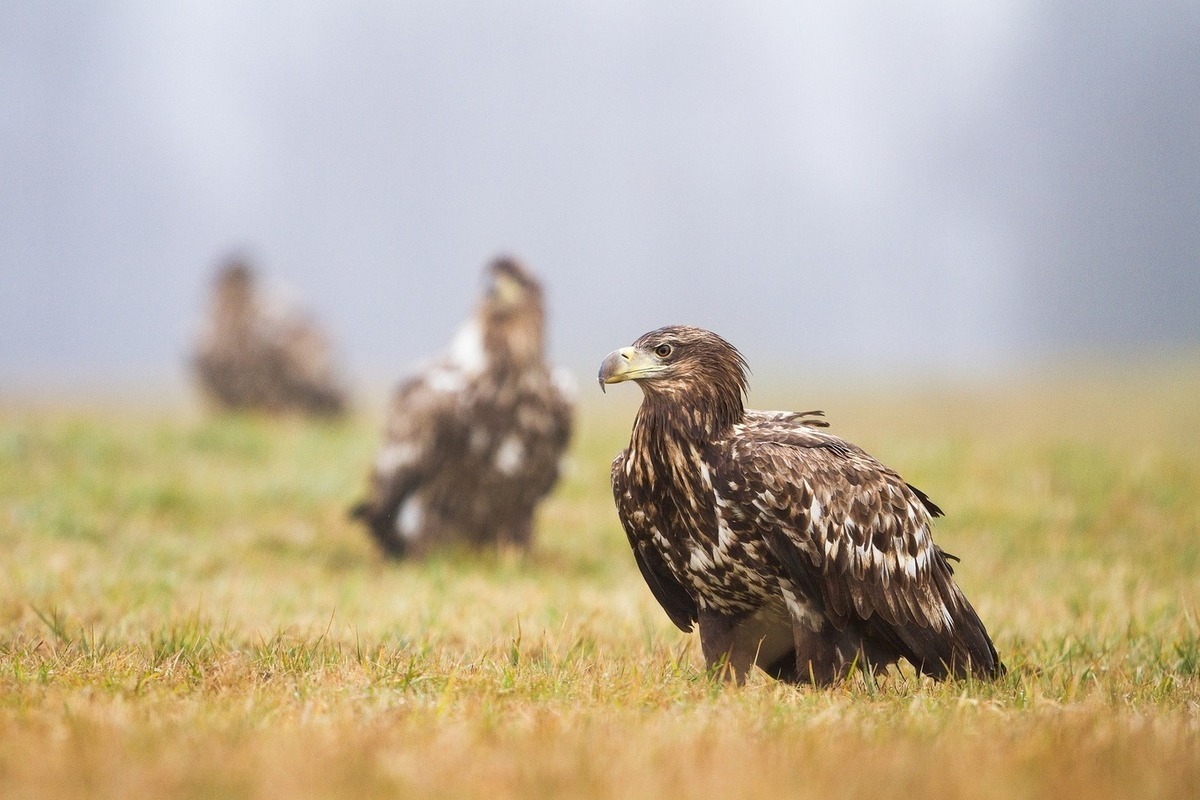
(256, 351)
(474, 441)
(793, 550)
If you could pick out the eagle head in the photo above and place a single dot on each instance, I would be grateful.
(511, 314)
(511, 288)
(686, 367)
(234, 292)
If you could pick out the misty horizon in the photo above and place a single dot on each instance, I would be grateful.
(862, 189)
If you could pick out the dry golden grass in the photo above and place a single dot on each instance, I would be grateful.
(185, 611)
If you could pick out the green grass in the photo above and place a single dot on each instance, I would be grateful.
(186, 611)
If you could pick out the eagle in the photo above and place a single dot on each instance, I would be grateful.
(474, 441)
(257, 351)
(793, 550)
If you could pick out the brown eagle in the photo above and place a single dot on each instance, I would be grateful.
(474, 441)
(257, 351)
(795, 551)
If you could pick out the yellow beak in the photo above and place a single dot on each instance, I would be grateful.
(627, 364)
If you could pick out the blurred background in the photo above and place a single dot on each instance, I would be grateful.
(940, 188)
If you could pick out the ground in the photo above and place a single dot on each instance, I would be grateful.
(186, 611)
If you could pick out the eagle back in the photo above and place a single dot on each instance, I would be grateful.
(503, 440)
(849, 529)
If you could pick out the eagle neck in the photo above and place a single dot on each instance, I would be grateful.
(667, 454)
(514, 341)
(236, 320)
(674, 436)
(664, 415)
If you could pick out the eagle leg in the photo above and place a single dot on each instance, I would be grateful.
(823, 656)
(827, 655)
(733, 643)
(515, 534)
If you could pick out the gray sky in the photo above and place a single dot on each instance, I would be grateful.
(875, 186)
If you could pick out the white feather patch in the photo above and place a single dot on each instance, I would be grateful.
(659, 540)
(699, 561)
(564, 380)
(510, 456)
(448, 381)
(466, 349)
(396, 457)
(801, 612)
(408, 521)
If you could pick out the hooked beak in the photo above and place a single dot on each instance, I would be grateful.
(627, 364)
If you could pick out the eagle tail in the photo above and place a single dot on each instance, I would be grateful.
(961, 650)
(975, 654)
(380, 522)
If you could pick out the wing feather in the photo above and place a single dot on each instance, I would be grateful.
(877, 567)
(878, 558)
(675, 599)
(404, 461)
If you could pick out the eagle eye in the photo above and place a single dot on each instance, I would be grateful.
(663, 350)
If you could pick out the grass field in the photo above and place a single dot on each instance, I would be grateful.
(185, 611)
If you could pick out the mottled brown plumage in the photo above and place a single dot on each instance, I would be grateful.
(474, 441)
(794, 550)
(258, 352)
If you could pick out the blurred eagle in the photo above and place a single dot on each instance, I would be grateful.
(474, 441)
(257, 351)
(794, 550)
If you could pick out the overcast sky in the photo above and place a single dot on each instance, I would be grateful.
(947, 185)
